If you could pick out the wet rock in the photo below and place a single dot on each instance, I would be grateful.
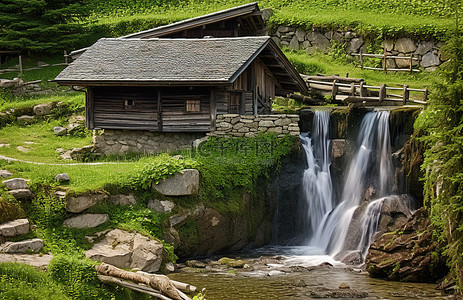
(86, 221)
(5, 173)
(22, 194)
(161, 206)
(408, 254)
(182, 184)
(80, 203)
(322, 292)
(350, 257)
(122, 199)
(13, 228)
(16, 183)
(233, 263)
(344, 285)
(63, 177)
(195, 264)
(275, 273)
(60, 131)
(26, 246)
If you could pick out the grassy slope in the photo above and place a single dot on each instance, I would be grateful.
(391, 17)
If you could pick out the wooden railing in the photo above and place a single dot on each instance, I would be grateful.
(21, 69)
(358, 92)
(384, 58)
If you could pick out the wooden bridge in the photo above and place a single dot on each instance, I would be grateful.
(355, 92)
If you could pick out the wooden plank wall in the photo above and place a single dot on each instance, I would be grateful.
(175, 118)
(110, 109)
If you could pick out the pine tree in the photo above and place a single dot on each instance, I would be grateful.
(41, 25)
(442, 123)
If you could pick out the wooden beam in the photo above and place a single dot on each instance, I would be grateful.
(159, 110)
(213, 108)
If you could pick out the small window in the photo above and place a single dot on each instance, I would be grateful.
(128, 104)
(193, 106)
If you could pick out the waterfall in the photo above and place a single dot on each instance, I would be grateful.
(371, 166)
(317, 185)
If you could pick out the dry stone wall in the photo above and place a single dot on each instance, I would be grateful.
(428, 52)
(124, 141)
(250, 126)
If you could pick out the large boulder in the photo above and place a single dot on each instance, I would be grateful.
(318, 41)
(86, 221)
(26, 246)
(128, 250)
(80, 203)
(430, 59)
(40, 261)
(405, 45)
(354, 45)
(44, 109)
(181, 184)
(407, 254)
(16, 184)
(13, 228)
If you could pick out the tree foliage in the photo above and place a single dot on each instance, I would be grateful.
(442, 123)
(41, 25)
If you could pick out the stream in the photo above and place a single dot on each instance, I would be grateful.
(287, 275)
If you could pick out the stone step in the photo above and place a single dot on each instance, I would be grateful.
(25, 246)
(16, 184)
(35, 260)
(13, 228)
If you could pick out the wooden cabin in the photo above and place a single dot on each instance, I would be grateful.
(179, 85)
(244, 20)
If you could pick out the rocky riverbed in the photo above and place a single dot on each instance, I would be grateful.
(258, 275)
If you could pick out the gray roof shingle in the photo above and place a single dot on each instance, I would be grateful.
(164, 60)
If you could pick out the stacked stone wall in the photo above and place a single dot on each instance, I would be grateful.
(250, 126)
(428, 52)
(124, 141)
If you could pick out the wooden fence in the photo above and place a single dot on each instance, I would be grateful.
(384, 58)
(354, 90)
(21, 68)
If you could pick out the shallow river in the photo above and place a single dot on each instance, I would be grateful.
(290, 276)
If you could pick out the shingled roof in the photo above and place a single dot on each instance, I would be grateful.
(172, 61)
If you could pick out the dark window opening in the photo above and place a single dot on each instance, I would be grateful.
(129, 104)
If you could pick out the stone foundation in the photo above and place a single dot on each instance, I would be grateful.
(250, 126)
(123, 141)
(428, 52)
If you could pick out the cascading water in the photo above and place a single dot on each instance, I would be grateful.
(331, 224)
(316, 182)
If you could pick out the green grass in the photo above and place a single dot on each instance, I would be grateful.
(386, 17)
(18, 281)
(75, 100)
(326, 64)
(40, 140)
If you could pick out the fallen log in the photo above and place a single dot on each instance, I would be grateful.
(304, 99)
(184, 287)
(157, 282)
(132, 286)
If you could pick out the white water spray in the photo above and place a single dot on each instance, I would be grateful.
(370, 166)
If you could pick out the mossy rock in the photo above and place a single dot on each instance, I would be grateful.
(232, 263)
(10, 211)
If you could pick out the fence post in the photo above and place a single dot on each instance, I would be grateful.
(406, 94)
(385, 60)
(361, 60)
(20, 64)
(352, 89)
(425, 94)
(66, 57)
(411, 62)
(362, 89)
(382, 92)
(334, 91)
